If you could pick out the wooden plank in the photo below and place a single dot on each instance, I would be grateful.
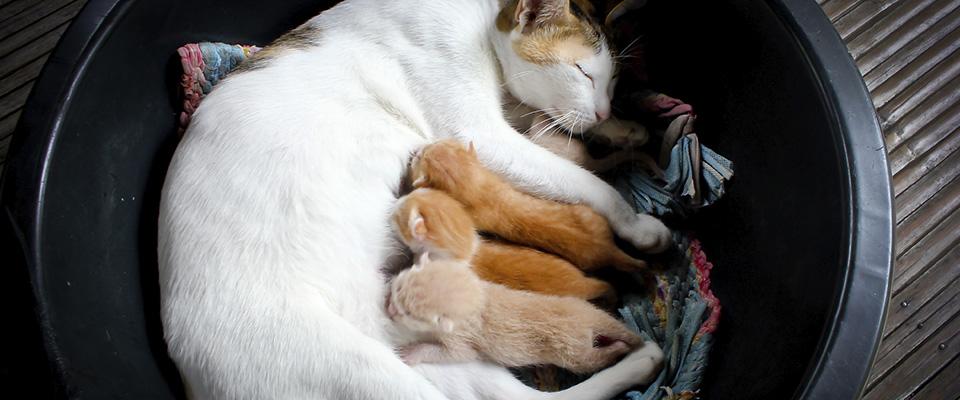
(921, 222)
(872, 36)
(13, 101)
(4, 146)
(837, 8)
(39, 10)
(946, 90)
(944, 385)
(894, 352)
(919, 321)
(23, 75)
(895, 76)
(938, 178)
(25, 55)
(860, 16)
(929, 358)
(8, 124)
(903, 151)
(41, 27)
(931, 247)
(924, 288)
(14, 8)
(924, 26)
(915, 158)
(903, 123)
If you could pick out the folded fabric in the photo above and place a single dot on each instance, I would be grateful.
(693, 175)
(680, 313)
(204, 64)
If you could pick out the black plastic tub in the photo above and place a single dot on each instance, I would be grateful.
(801, 243)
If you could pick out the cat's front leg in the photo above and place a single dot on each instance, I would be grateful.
(538, 171)
(435, 353)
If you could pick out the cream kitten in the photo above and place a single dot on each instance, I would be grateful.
(475, 320)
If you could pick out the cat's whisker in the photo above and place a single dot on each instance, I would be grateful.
(554, 124)
(515, 76)
(629, 46)
(546, 124)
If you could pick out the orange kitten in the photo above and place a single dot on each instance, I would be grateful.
(471, 319)
(431, 221)
(574, 232)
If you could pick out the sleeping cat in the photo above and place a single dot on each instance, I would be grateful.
(572, 231)
(273, 227)
(470, 319)
(431, 221)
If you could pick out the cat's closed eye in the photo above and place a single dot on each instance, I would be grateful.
(582, 71)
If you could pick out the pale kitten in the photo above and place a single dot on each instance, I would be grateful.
(470, 319)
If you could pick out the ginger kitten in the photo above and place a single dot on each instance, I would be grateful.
(431, 221)
(572, 231)
(471, 319)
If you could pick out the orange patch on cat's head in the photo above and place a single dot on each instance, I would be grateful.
(430, 220)
(557, 31)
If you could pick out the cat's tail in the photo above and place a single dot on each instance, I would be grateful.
(623, 261)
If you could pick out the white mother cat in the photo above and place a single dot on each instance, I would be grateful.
(274, 219)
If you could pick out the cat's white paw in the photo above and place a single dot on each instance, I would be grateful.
(647, 233)
(643, 363)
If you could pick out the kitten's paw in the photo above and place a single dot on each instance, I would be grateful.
(636, 134)
(411, 355)
(622, 133)
(648, 234)
(644, 362)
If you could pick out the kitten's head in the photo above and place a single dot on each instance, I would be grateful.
(435, 296)
(446, 165)
(431, 221)
(556, 58)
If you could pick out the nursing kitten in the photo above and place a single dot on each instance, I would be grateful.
(471, 319)
(431, 221)
(272, 229)
(572, 231)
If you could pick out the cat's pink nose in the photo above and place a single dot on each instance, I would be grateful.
(602, 115)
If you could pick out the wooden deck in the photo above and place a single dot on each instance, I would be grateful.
(909, 54)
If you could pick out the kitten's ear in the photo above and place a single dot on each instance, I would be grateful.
(424, 259)
(419, 179)
(418, 227)
(472, 149)
(532, 14)
(445, 324)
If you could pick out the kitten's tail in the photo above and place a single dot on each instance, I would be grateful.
(624, 262)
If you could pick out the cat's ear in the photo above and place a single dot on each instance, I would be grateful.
(418, 227)
(472, 149)
(532, 14)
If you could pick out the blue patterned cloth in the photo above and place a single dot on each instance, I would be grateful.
(695, 177)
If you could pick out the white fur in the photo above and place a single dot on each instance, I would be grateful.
(274, 216)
